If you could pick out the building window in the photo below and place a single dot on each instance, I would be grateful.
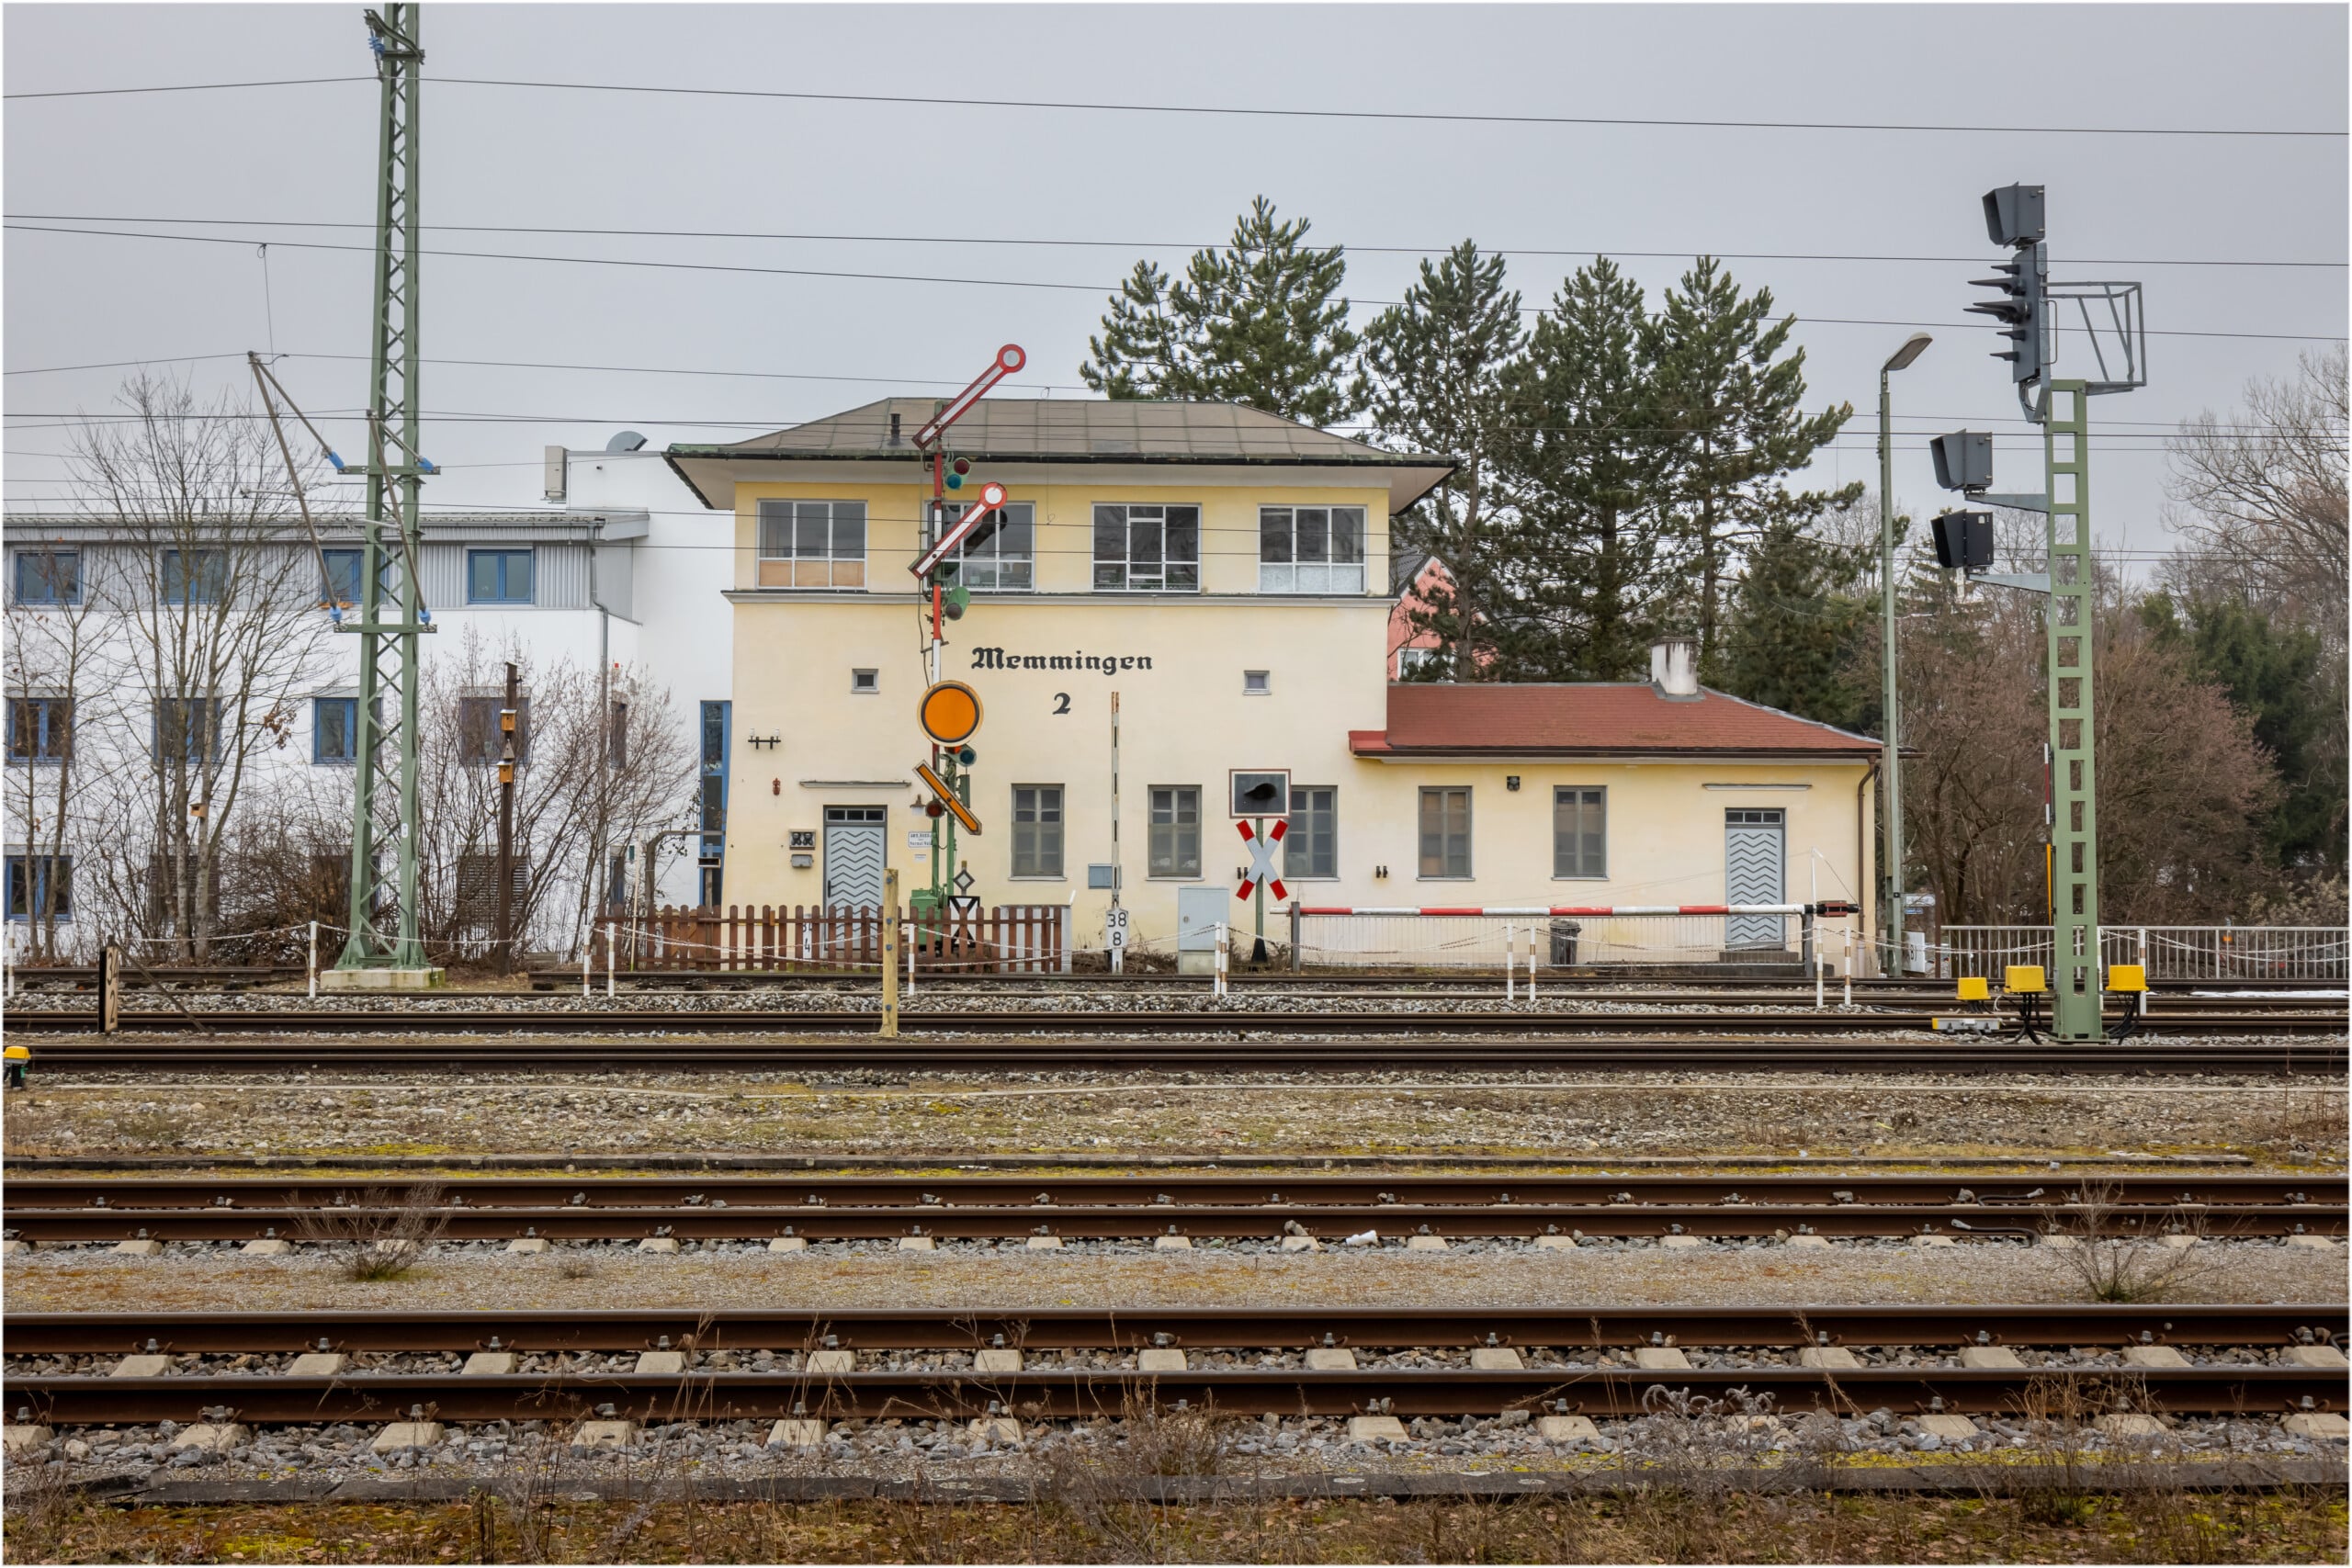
(40, 729)
(1445, 832)
(615, 880)
(33, 880)
(812, 544)
(1416, 662)
(334, 729)
(1000, 555)
(1579, 831)
(1311, 846)
(1175, 846)
(187, 729)
(498, 577)
(1257, 682)
(1310, 549)
(49, 577)
(479, 737)
(1148, 549)
(1037, 830)
(195, 577)
(343, 568)
(865, 683)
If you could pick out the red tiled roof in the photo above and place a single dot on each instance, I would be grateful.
(1592, 720)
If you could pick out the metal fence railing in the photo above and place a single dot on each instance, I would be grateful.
(2169, 952)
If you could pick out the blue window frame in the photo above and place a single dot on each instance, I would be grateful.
(498, 577)
(341, 586)
(717, 722)
(40, 729)
(49, 577)
(29, 878)
(195, 577)
(187, 729)
(334, 729)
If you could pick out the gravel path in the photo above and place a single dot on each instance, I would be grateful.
(924, 1118)
(969, 1275)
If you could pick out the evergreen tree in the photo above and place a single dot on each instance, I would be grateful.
(2272, 673)
(1586, 462)
(1798, 629)
(1436, 368)
(1261, 322)
(1729, 395)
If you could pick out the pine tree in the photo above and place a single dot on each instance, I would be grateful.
(1798, 629)
(1586, 461)
(1261, 322)
(1436, 368)
(1730, 397)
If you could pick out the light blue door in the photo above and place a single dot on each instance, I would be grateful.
(1755, 872)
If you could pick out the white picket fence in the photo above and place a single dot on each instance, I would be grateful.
(1468, 940)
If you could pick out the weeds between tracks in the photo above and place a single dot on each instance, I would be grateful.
(384, 1234)
(2112, 1265)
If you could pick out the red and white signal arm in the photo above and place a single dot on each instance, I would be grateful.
(1262, 861)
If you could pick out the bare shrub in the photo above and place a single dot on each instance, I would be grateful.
(1688, 1451)
(1110, 1488)
(2115, 1265)
(381, 1235)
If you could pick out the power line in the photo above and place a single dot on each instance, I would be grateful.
(1003, 282)
(1594, 250)
(1937, 420)
(1419, 117)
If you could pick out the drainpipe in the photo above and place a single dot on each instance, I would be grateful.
(1862, 793)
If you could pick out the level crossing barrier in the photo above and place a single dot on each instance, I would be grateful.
(1730, 937)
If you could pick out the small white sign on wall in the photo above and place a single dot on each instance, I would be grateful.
(919, 838)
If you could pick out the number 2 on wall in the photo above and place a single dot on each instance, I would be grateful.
(1061, 702)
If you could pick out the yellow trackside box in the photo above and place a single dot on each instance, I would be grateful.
(1973, 989)
(2024, 979)
(16, 1054)
(2127, 978)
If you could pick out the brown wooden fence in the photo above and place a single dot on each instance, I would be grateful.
(1007, 939)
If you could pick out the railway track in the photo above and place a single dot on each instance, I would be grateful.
(1064, 1364)
(1328, 1208)
(1203, 1039)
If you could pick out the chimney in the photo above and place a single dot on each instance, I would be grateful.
(894, 428)
(556, 485)
(1674, 669)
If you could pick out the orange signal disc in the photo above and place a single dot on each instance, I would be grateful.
(950, 712)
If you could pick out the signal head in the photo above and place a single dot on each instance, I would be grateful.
(2013, 215)
(966, 756)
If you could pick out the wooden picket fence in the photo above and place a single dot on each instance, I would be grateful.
(1009, 939)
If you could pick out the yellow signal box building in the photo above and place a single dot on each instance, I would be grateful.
(1226, 574)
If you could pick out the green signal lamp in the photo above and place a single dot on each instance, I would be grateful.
(966, 756)
(954, 602)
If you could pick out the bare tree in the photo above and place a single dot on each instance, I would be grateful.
(2264, 495)
(215, 593)
(597, 772)
(56, 664)
(2182, 785)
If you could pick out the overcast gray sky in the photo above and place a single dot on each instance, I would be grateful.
(948, 176)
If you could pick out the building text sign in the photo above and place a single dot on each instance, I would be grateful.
(1108, 663)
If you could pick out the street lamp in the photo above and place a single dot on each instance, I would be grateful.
(1891, 767)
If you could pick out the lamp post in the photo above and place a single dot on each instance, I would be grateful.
(1889, 873)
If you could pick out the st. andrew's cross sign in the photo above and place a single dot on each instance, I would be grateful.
(1262, 861)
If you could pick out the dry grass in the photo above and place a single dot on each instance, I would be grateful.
(382, 1235)
(2113, 1264)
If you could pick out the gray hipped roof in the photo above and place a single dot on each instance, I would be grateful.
(1037, 430)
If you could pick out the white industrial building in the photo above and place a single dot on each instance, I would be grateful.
(614, 574)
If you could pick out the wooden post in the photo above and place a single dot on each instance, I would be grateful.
(889, 953)
(506, 724)
(109, 988)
